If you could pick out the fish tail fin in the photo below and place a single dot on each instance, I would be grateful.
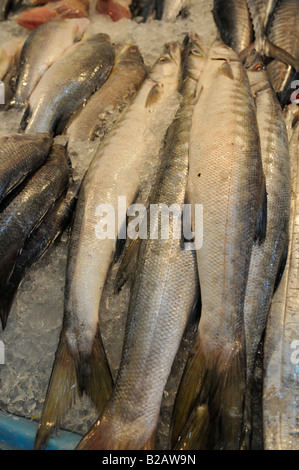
(94, 375)
(214, 399)
(60, 394)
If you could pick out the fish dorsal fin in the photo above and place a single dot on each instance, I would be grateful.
(154, 94)
(226, 70)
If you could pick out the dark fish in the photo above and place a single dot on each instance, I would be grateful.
(5, 7)
(234, 23)
(21, 155)
(284, 32)
(40, 240)
(68, 82)
(28, 208)
(147, 9)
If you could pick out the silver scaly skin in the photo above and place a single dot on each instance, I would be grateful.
(281, 377)
(267, 261)
(226, 177)
(81, 364)
(68, 82)
(160, 301)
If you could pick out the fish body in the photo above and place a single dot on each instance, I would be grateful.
(161, 299)
(234, 23)
(284, 32)
(68, 82)
(21, 155)
(28, 208)
(171, 9)
(5, 6)
(106, 104)
(281, 381)
(115, 9)
(41, 49)
(267, 260)
(35, 246)
(32, 18)
(226, 178)
(114, 171)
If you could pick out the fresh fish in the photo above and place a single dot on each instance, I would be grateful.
(284, 32)
(164, 292)
(32, 18)
(281, 345)
(28, 208)
(268, 260)
(147, 9)
(262, 43)
(8, 52)
(39, 241)
(114, 172)
(5, 6)
(68, 82)
(172, 8)
(226, 178)
(234, 23)
(21, 155)
(116, 9)
(42, 48)
(104, 106)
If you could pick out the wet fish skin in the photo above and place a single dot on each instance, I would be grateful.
(111, 174)
(41, 49)
(5, 6)
(234, 23)
(39, 242)
(160, 301)
(280, 362)
(21, 155)
(267, 260)
(28, 208)
(284, 32)
(104, 106)
(224, 152)
(68, 82)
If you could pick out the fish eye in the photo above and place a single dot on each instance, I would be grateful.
(196, 52)
(258, 68)
(163, 59)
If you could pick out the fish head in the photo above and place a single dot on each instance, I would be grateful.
(194, 56)
(221, 51)
(168, 66)
(256, 71)
(130, 53)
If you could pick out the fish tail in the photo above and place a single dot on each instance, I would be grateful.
(60, 394)
(208, 411)
(94, 376)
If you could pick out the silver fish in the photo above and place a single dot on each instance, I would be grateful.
(267, 260)
(281, 345)
(41, 49)
(115, 171)
(226, 178)
(106, 105)
(68, 82)
(161, 300)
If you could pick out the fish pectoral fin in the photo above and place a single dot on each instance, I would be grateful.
(261, 226)
(154, 95)
(128, 263)
(226, 70)
(60, 394)
(196, 430)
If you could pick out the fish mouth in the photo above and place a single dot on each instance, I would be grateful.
(172, 48)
